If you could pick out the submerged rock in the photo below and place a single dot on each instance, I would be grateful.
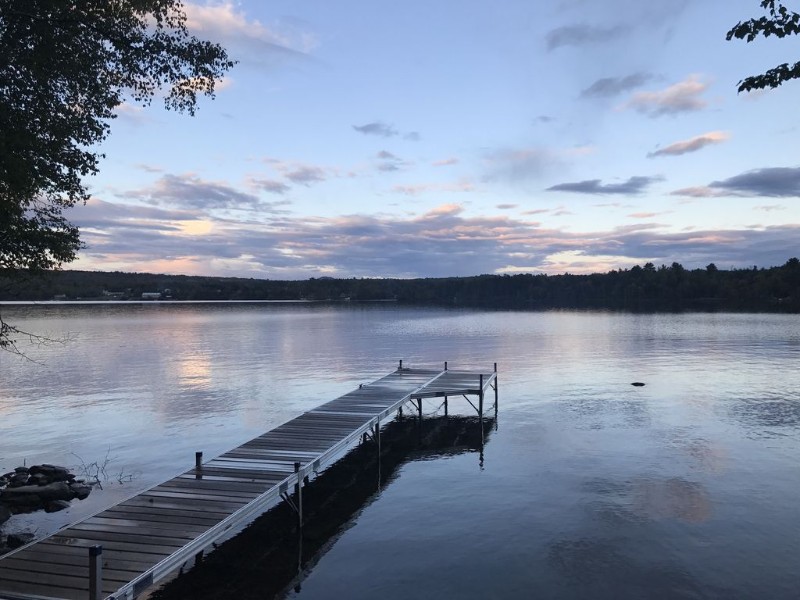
(56, 505)
(15, 540)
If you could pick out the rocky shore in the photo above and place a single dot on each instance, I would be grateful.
(39, 487)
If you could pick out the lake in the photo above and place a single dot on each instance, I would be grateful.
(588, 487)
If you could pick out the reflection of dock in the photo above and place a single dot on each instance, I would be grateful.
(123, 550)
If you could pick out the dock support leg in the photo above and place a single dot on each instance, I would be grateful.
(419, 409)
(445, 406)
(495, 390)
(298, 490)
(378, 444)
(95, 573)
(480, 398)
(198, 465)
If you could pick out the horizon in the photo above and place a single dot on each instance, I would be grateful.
(413, 141)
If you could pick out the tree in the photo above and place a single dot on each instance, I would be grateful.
(67, 65)
(780, 23)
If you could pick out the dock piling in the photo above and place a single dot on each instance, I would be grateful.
(480, 396)
(95, 572)
(198, 465)
(298, 490)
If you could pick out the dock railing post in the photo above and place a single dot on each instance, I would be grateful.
(445, 365)
(400, 368)
(298, 490)
(95, 572)
(198, 465)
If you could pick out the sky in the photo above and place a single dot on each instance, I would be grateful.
(455, 138)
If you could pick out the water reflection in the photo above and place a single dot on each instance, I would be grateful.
(599, 409)
(689, 482)
(768, 416)
(651, 498)
(600, 569)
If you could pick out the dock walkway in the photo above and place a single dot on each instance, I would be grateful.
(125, 549)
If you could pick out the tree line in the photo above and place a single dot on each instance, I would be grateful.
(640, 288)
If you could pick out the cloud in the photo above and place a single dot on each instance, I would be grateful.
(378, 128)
(770, 207)
(445, 241)
(582, 35)
(701, 191)
(614, 86)
(774, 182)
(249, 40)
(445, 162)
(190, 191)
(132, 113)
(388, 162)
(422, 188)
(412, 136)
(506, 206)
(681, 97)
(692, 144)
(270, 185)
(149, 168)
(545, 119)
(306, 175)
(633, 186)
(301, 173)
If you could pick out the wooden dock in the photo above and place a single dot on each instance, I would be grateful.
(125, 549)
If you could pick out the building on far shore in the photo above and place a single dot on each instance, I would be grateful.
(151, 295)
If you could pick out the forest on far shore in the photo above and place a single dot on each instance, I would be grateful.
(640, 288)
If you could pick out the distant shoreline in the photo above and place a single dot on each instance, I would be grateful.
(639, 289)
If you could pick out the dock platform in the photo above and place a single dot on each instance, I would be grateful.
(124, 550)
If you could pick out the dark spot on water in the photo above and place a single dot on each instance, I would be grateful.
(637, 384)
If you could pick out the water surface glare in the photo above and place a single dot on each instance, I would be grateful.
(687, 487)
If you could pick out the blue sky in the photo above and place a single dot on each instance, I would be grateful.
(442, 138)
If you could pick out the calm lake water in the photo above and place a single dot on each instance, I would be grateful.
(688, 487)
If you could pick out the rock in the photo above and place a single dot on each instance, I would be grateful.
(5, 514)
(38, 479)
(18, 479)
(56, 505)
(52, 491)
(637, 384)
(80, 491)
(20, 502)
(15, 540)
(21, 470)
